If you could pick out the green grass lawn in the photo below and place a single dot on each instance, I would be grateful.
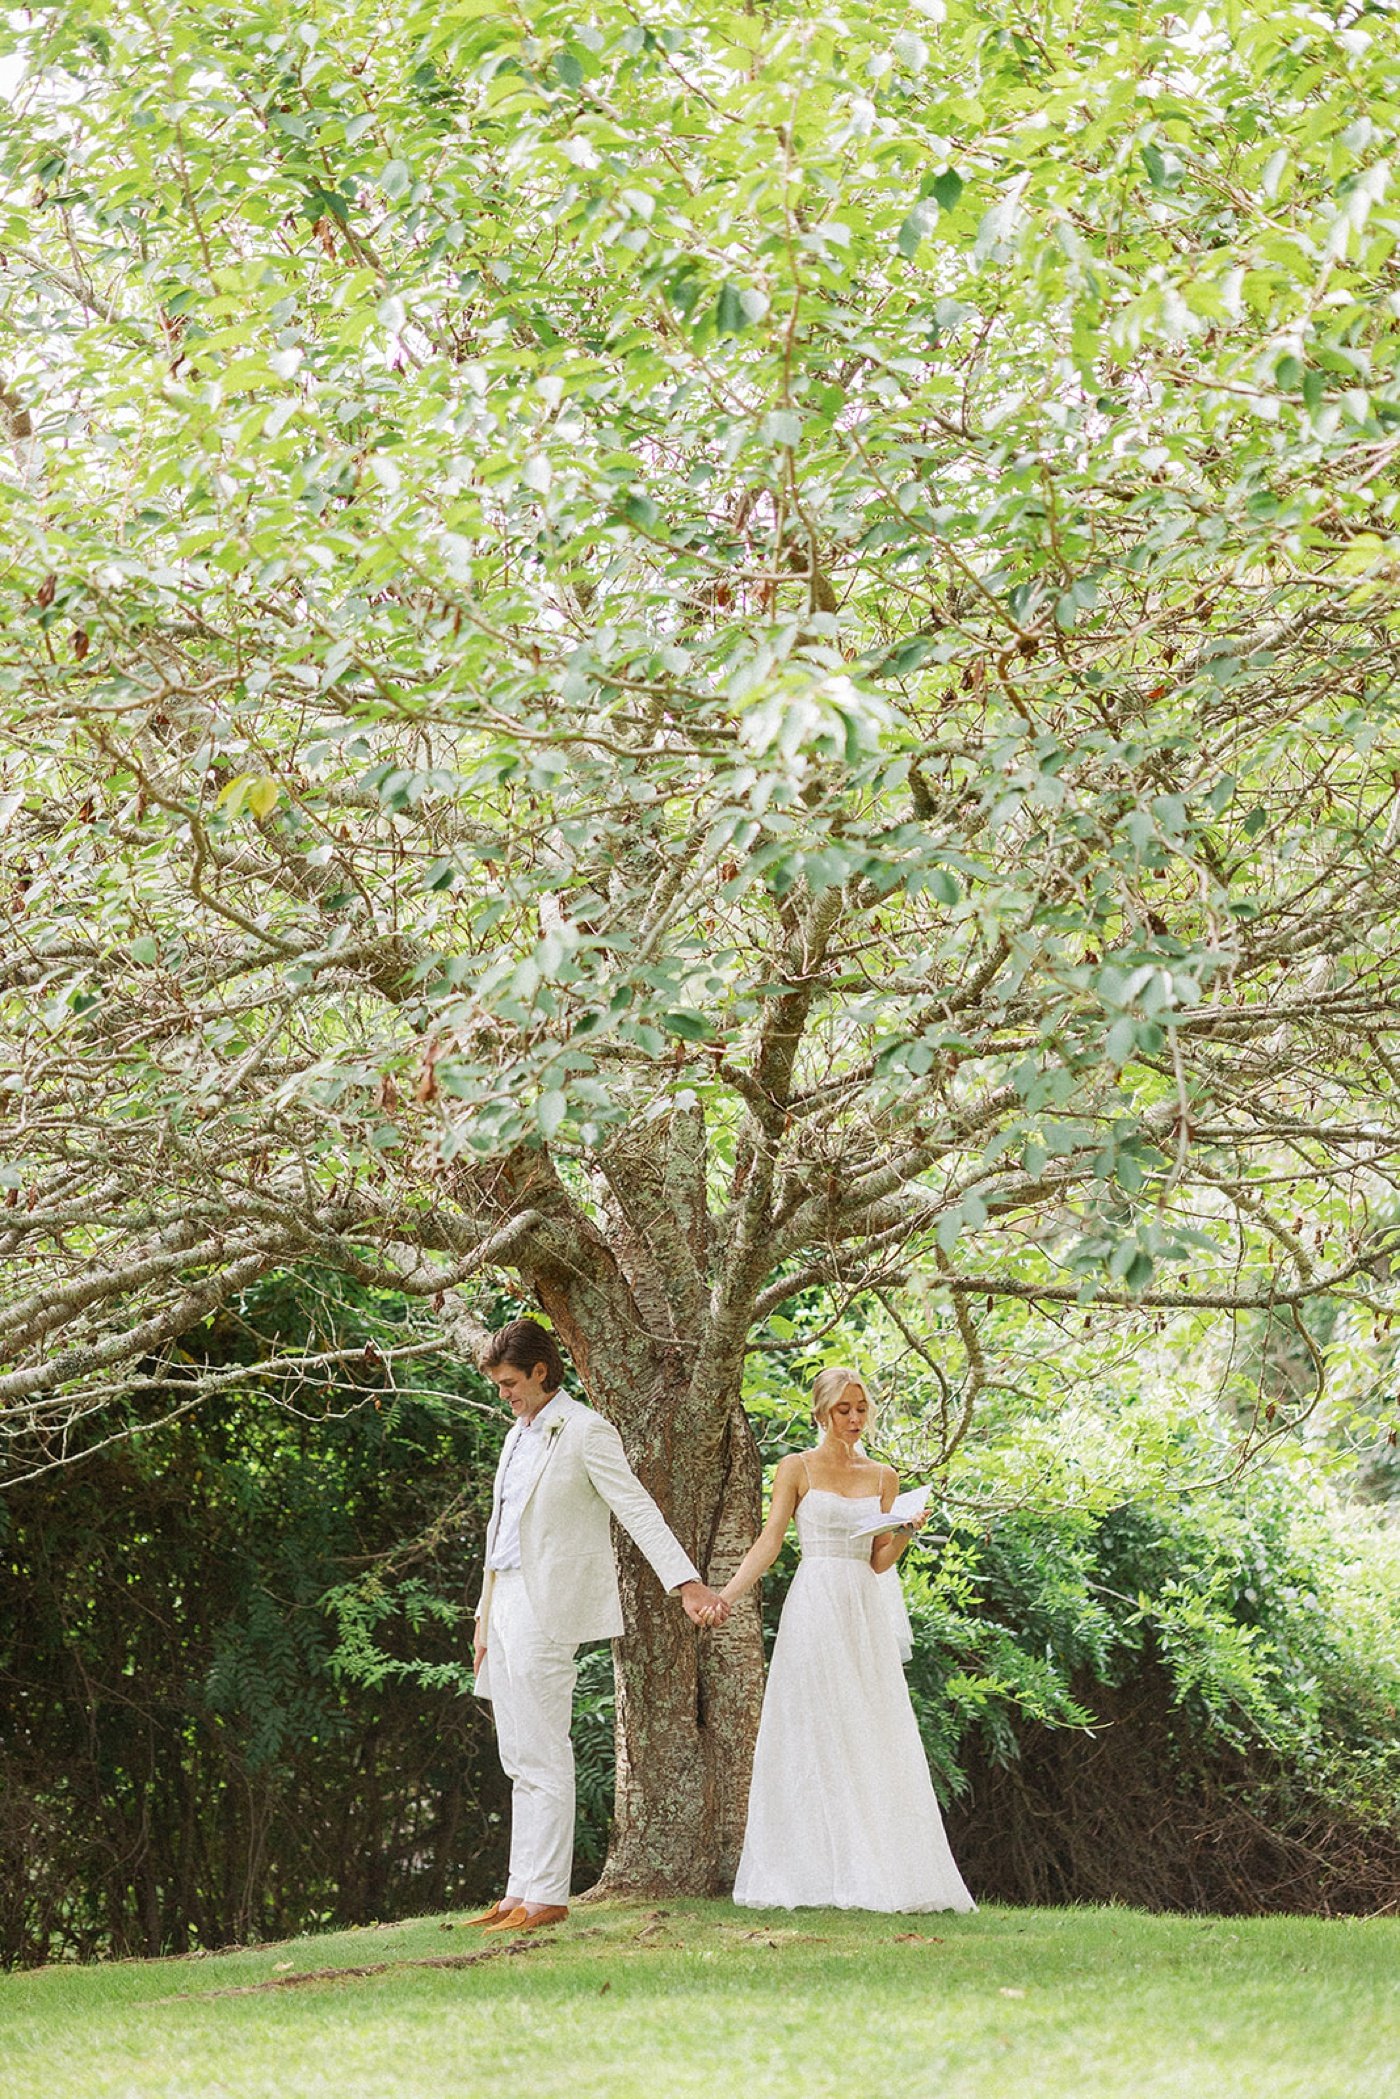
(699, 1998)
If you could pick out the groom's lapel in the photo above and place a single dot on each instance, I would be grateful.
(553, 1436)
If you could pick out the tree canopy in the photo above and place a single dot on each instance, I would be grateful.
(826, 571)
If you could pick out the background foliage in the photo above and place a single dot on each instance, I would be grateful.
(232, 1685)
(184, 1757)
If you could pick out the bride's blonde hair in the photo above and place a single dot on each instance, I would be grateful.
(828, 1388)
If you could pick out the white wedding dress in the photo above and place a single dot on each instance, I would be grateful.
(842, 1813)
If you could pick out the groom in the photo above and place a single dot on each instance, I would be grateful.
(550, 1583)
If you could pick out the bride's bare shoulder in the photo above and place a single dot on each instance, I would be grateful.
(788, 1485)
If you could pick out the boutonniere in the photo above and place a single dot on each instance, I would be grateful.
(554, 1429)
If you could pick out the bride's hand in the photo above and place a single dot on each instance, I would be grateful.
(908, 1529)
(703, 1605)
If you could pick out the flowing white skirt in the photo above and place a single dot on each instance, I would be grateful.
(842, 1812)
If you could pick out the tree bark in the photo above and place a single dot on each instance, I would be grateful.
(688, 1703)
(732, 1666)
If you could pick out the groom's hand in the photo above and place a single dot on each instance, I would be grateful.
(478, 1650)
(703, 1605)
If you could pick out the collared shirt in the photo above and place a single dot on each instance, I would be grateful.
(521, 1462)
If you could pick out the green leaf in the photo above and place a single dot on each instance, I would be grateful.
(1128, 1173)
(1120, 1041)
(1139, 1272)
(908, 655)
(639, 510)
(691, 1027)
(910, 235)
(550, 1111)
(731, 316)
(782, 427)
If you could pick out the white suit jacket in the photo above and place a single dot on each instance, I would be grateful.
(566, 1554)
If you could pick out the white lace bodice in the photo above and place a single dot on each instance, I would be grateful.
(826, 1520)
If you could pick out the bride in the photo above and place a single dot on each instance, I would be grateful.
(842, 1813)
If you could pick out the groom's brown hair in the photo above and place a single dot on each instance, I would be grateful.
(522, 1344)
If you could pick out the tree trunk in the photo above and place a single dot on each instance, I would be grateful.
(688, 1703)
(732, 1670)
(631, 1299)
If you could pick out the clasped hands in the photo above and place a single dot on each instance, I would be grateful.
(703, 1606)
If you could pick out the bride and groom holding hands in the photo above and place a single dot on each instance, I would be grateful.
(842, 1812)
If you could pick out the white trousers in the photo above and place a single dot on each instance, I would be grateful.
(532, 1681)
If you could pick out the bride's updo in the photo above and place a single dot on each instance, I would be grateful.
(829, 1386)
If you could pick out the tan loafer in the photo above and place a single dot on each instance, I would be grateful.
(522, 1920)
(497, 1912)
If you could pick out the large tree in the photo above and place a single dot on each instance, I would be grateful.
(687, 655)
